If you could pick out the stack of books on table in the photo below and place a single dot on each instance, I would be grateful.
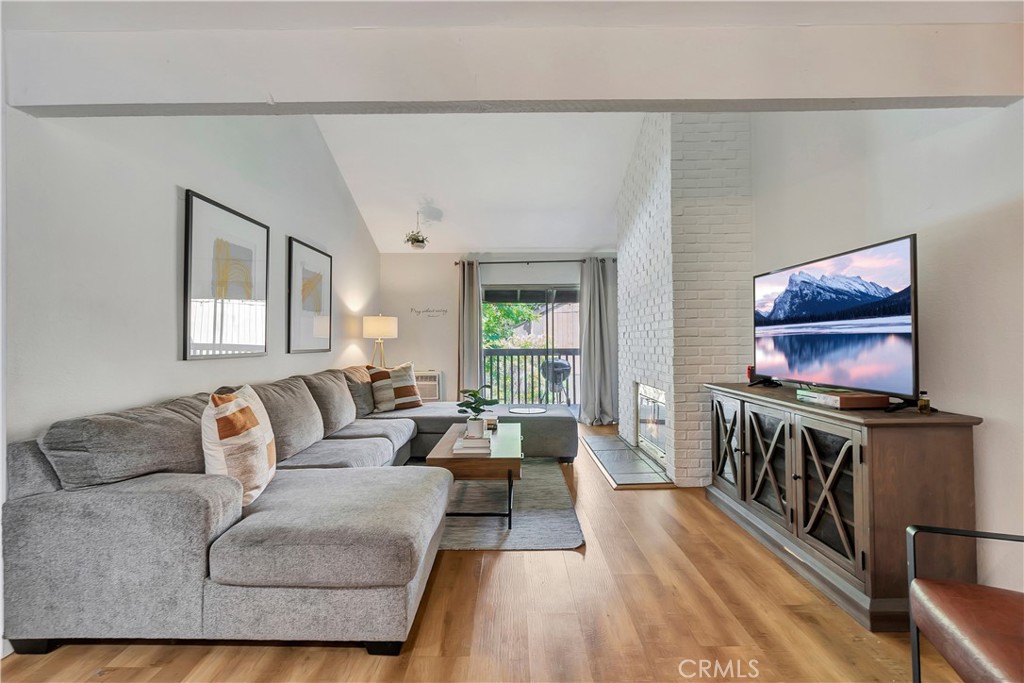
(469, 445)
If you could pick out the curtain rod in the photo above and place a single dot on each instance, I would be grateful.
(501, 263)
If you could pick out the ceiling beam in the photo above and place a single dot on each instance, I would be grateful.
(502, 69)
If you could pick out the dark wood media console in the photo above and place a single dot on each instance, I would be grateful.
(832, 492)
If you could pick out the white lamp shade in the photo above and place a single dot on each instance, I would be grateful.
(380, 327)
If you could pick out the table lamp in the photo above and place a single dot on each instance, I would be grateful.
(379, 327)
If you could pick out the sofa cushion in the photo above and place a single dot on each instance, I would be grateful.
(102, 449)
(294, 415)
(335, 528)
(343, 453)
(331, 393)
(398, 432)
(28, 471)
(362, 392)
(238, 440)
(430, 418)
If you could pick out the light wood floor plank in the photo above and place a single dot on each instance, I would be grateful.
(664, 577)
(557, 650)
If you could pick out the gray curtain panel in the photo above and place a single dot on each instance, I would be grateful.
(469, 325)
(599, 383)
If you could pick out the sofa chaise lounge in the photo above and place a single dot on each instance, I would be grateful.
(112, 530)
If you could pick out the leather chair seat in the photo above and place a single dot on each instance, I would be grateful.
(978, 629)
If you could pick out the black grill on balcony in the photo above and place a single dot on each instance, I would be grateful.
(532, 375)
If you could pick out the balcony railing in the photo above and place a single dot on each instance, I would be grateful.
(515, 376)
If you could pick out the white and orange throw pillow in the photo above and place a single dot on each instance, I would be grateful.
(395, 388)
(238, 440)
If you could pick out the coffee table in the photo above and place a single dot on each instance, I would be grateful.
(503, 462)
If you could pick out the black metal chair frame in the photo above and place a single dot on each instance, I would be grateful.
(912, 532)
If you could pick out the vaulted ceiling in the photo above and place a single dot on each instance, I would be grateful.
(504, 182)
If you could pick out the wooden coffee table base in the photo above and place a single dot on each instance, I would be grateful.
(507, 513)
(504, 462)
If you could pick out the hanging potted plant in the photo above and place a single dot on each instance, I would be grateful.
(476, 404)
(416, 239)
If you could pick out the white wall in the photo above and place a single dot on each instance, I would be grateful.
(644, 215)
(830, 181)
(5, 648)
(422, 289)
(533, 273)
(95, 249)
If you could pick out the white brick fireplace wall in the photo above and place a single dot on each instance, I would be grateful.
(684, 287)
(645, 272)
(713, 260)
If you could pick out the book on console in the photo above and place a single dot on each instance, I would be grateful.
(471, 446)
(461, 445)
(486, 437)
(842, 399)
(467, 452)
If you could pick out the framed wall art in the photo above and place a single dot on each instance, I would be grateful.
(226, 274)
(309, 298)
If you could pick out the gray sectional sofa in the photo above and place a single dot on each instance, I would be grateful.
(553, 433)
(112, 530)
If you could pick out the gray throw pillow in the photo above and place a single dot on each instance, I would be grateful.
(359, 385)
(330, 391)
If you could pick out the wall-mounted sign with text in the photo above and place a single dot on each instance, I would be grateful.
(429, 312)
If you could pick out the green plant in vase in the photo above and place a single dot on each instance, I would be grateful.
(474, 402)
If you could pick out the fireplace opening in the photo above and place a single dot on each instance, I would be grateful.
(651, 426)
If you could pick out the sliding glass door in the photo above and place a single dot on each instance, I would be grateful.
(531, 340)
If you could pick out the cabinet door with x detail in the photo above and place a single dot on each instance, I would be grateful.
(727, 445)
(768, 477)
(829, 477)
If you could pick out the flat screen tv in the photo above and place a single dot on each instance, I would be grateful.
(846, 321)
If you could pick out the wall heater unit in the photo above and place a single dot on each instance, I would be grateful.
(429, 384)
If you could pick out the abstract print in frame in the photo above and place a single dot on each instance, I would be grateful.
(309, 298)
(226, 274)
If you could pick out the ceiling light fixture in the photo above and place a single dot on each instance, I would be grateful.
(415, 238)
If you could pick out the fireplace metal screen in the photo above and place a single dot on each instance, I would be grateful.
(650, 424)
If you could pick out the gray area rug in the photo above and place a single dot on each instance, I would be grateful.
(543, 517)
(625, 464)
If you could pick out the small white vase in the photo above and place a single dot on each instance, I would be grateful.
(475, 427)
